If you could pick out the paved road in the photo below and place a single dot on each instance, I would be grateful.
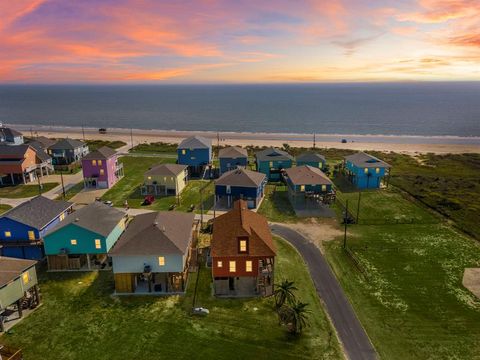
(355, 341)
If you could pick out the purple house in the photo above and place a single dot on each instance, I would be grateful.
(101, 169)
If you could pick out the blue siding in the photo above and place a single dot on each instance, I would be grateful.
(365, 180)
(194, 157)
(227, 164)
(316, 164)
(264, 167)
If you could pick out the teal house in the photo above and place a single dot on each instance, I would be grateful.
(312, 159)
(365, 171)
(272, 161)
(83, 239)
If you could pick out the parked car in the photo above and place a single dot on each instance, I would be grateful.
(108, 202)
(344, 141)
(148, 200)
(102, 130)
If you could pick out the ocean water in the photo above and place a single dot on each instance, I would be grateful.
(425, 109)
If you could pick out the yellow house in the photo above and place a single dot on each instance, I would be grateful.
(165, 179)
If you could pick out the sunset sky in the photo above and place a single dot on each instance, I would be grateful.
(239, 41)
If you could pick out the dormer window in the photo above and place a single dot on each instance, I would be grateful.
(243, 245)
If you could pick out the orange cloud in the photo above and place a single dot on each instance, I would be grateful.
(438, 11)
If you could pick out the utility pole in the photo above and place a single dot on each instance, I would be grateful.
(314, 142)
(131, 137)
(39, 184)
(345, 220)
(201, 207)
(358, 205)
(83, 132)
(63, 186)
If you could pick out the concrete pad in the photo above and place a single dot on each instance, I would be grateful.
(471, 280)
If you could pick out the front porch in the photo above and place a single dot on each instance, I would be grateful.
(158, 190)
(23, 307)
(150, 283)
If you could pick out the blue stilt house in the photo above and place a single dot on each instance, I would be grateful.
(272, 161)
(240, 184)
(196, 153)
(365, 171)
(231, 158)
(311, 159)
(23, 227)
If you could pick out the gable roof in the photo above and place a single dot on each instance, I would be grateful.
(156, 233)
(241, 177)
(67, 144)
(14, 150)
(103, 153)
(307, 175)
(41, 154)
(166, 169)
(233, 152)
(195, 142)
(364, 160)
(96, 217)
(12, 268)
(9, 132)
(241, 222)
(37, 212)
(310, 157)
(272, 154)
(43, 141)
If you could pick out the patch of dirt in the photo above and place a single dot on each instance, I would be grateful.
(471, 280)
(318, 230)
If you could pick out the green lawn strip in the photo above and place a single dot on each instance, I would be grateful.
(158, 147)
(74, 190)
(276, 206)
(96, 144)
(411, 301)
(24, 191)
(4, 207)
(80, 320)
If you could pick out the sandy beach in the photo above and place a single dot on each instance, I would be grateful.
(401, 144)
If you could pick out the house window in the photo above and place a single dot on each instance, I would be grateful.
(248, 266)
(193, 158)
(98, 244)
(94, 162)
(99, 162)
(62, 216)
(149, 178)
(232, 266)
(73, 242)
(377, 170)
(302, 187)
(8, 234)
(26, 278)
(324, 187)
(161, 260)
(171, 178)
(219, 264)
(31, 235)
(229, 189)
(164, 178)
(365, 170)
(184, 152)
(102, 172)
(270, 164)
(242, 245)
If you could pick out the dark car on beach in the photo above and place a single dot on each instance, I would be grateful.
(102, 130)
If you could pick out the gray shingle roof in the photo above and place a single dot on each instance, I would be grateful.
(37, 212)
(14, 150)
(364, 160)
(12, 268)
(67, 144)
(156, 233)
(9, 133)
(311, 157)
(166, 169)
(44, 141)
(38, 147)
(233, 152)
(96, 217)
(195, 142)
(307, 175)
(103, 153)
(241, 177)
(272, 154)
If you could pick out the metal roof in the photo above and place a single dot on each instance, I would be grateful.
(364, 160)
(67, 144)
(233, 152)
(272, 154)
(241, 177)
(195, 142)
(310, 156)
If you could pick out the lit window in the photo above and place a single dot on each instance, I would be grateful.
(161, 260)
(98, 244)
(219, 264)
(365, 170)
(248, 266)
(62, 216)
(184, 152)
(243, 245)
(232, 266)
(324, 187)
(165, 178)
(26, 278)
(94, 162)
(8, 234)
(171, 178)
(102, 172)
(99, 162)
(302, 187)
(228, 189)
(377, 170)
(149, 178)
(31, 235)
(271, 164)
(73, 242)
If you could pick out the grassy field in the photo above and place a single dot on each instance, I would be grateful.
(158, 147)
(4, 208)
(23, 191)
(74, 190)
(90, 324)
(276, 206)
(95, 144)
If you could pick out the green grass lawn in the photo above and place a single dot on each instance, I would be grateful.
(158, 147)
(95, 144)
(385, 206)
(276, 206)
(4, 208)
(80, 320)
(412, 302)
(74, 190)
(23, 191)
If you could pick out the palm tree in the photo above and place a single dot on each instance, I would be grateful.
(284, 292)
(300, 319)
